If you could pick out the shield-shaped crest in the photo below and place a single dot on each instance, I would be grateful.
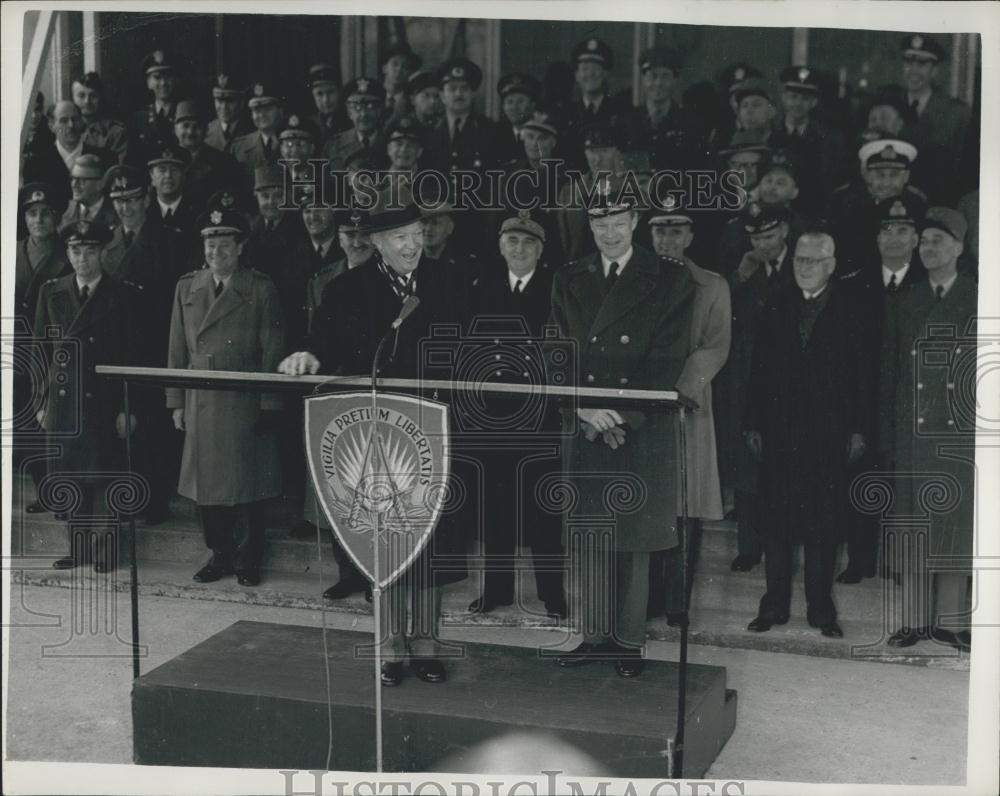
(394, 481)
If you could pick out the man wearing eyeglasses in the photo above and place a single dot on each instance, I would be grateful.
(808, 420)
(88, 203)
(365, 101)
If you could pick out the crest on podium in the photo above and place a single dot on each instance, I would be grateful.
(395, 483)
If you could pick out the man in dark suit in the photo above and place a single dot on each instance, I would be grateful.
(930, 432)
(764, 270)
(628, 314)
(876, 291)
(518, 101)
(357, 309)
(230, 122)
(172, 204)
(509, 306)
(51, 160)
(153, 256)
(153, 124)
(808, 420)
(83, 412)
(324, 85)
(276, 229)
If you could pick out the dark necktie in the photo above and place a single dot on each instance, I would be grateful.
(169, 215)
(893, 286)
(129, 237)
(915, 107)
(268, 148)
(219, 287)
(773, 270)
(517, 288)
(365, 142)
(939, 292)
(612, 276)
(84, 294)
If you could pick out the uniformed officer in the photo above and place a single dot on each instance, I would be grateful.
(853, 211)
(519, 95)
(94, 315)
(508, 308)
(210, 169)
(230, 120)
(602, 149)
(102, 131)
(153, 256)
(404, 145)
(763, 270)
(628, 312)
(324, 85)
(592, 61)
(173, 205)
(660, 126)
(41, 256)
(364, 98)
(730, 76)
(937, 124)
(876, 288)
(929, 432)
(87, 184)
(276, 229)
(153, 125)
(819, 149)
(672, 231)
(755, 111)
(423, 90)
(227, 318)
(444, 251)
(299, 142)
(260, 148)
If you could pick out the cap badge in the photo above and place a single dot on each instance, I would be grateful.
(803, 75)
(458, 71)
(227, 200)
(671, 203)
(356, 219)
(897, 209)
(158, 56)
(363, 85)
(223, 81)
(524, 215)
(216, 217)
(83, 227)
(755, 210)
(167, 155)
(121, 182)
(889, 153)
(592, 45)
(293, 120)
(740, 73)
(37, 196)
(917, 41)
(258, 90)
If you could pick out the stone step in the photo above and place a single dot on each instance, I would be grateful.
(710, 626)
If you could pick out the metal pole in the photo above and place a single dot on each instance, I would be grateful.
(678, 762)
(377, 585)
(132, 563)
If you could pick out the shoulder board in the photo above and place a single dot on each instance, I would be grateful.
(666, 259)
(856, 274)
(133, 285)
(51, 281)
(188, 275)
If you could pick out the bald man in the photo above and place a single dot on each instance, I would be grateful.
(808, 421)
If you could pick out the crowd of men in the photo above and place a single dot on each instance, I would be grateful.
(792, 318)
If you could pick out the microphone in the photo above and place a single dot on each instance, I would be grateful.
(409, 305)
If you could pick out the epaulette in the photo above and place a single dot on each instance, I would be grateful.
(854, 274)
(131, 284)
(666, 259)
(51, 281)
(188, 275)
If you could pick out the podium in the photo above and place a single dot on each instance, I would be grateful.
(163, 738)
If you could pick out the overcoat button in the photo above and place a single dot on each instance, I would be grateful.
(590, 377)
(62, 393)
(626, 339)
(593, 339)
(623, 380)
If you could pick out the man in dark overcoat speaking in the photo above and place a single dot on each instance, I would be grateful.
(808, 419)
(628, 314)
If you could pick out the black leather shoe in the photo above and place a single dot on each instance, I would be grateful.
(392, 673)
(904, 637)
(303, 529)
(584, 653)
(630, 666)
(212, 572)
(248, 577)
(744, 563)
(342, 589)
(483, 605)
(832, 630)
(34, 507)
(66, 563)
(962, 640)
(764, 622)
(430, 670)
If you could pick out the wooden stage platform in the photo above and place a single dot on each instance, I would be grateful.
(254, 696)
